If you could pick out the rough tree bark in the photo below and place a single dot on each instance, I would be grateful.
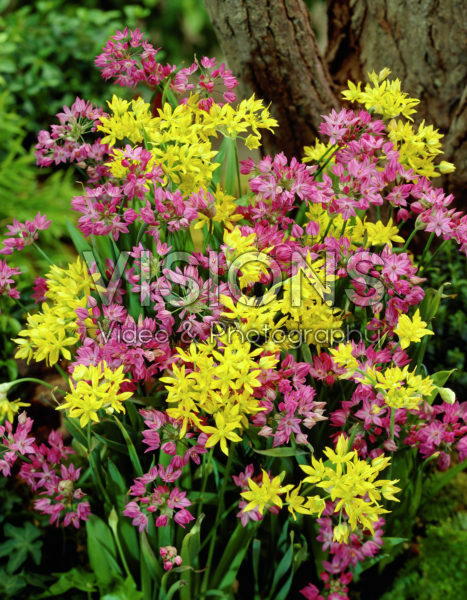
(270, 46)
(423, 42)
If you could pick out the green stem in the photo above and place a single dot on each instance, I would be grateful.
(427, 247)
(94, 467)
(220, 507)
(120, 551)
(327, 229)
(61, 372)
(42, 253)
(206, 465)
(437, 251)
(327, 161)
(409, 239)
(34, 380)
(239, 181)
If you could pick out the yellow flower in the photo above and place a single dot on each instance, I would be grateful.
(401, 388)
(9, 408)
(340, 533)
(96, 388)
(266, 494)
(382, 96)
(417, 149)
(378, 233)
(411, 330)
(306, 506)
(353, 483)
(224, 374)
(224, 429)
(52, 331)
(343, 357)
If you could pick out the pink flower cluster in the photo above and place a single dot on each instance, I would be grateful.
(64, 143)
(439, 430)
(130, 59)
(7, 283)
(23, 234)
(170, 557)
(162, 501)
(211, 76)
(366, 163)
(288, 402)
(337, 572)
(43, 470)
(277, 184)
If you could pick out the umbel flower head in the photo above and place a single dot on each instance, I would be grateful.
(353, 483)
(52, 331)
(96, 388)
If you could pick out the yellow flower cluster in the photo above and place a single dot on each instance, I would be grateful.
(220, 386)
(307, 303)
(382, 96)
(302, 303)
(354, 484)
(243, 256)
(180, 138)
(223, 211)
(401, 388)
(319, 152)
(50, 332)
(417, 148)
(97, 387)
(343, 357)
(265, 495)
(126, 120)
(376, 234)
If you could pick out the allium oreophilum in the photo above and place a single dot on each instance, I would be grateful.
(210, 414)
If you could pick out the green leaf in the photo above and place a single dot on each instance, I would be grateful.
(131, 449)
(153, 565)
(219, 158)
(285, 565)
(77, 578)
(124, 590)
(230, 172)
(233, 556)
(440, 480)
(439, 379)
(102, 550)
(75, 430)
(77, 238)
(283, 452)
(189, 553)
(116, 484)
(22, 543)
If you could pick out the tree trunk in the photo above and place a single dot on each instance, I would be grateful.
(271, 48)
(423, 42)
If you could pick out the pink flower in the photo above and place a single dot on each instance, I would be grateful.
(311, 592)
(23, 234)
